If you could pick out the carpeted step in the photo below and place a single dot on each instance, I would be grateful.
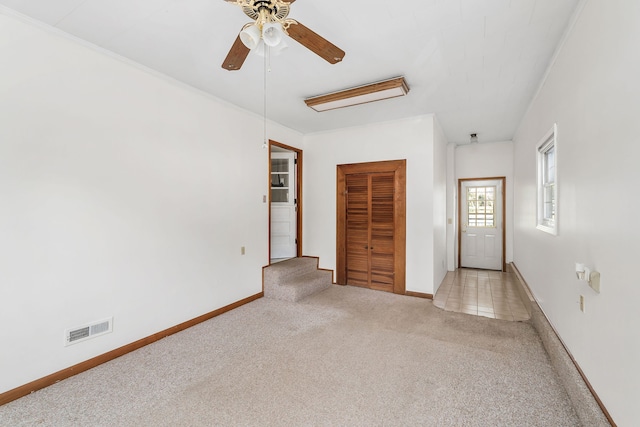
(297, 288)
(293, 267)
(295, 279)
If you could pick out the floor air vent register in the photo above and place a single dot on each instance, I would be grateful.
(85, 332)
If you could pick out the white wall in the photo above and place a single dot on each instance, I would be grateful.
(439, 205)
(411, 139)
(452, 208)
(592, 93)
(489, 160)
(123, 194)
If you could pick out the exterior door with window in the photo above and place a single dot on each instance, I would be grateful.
(481, 224)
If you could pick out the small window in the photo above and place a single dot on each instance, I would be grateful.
(548, 182)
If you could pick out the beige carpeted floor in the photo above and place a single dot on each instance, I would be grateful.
(343, 357)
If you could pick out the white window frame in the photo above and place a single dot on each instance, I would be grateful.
(549, 141)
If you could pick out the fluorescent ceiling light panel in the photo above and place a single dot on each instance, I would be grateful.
(359, 95)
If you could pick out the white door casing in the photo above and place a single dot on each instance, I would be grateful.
(283, 205)
(481, 224)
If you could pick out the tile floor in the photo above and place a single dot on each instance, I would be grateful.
(483, 293)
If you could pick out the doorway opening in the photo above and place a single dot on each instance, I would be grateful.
(285, 202)
(371, 225)
(481, 223)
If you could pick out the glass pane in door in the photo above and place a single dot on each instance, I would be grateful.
(280, 180)
(480, 206)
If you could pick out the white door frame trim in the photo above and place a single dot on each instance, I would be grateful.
(503, 179)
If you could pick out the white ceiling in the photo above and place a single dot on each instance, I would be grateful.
(476, 64)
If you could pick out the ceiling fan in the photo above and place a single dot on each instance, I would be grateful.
(269, 26)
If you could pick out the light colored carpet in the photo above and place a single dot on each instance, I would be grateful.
(343, 357)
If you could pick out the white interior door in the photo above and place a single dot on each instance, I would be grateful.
(283, 205)
(481, 224)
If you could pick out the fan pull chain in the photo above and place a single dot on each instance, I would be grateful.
(264, 143)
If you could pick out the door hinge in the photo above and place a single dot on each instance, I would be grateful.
(295, 161)
(296, 241)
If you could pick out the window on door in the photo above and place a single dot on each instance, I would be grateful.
(280, 174)
(547, 183)
(481, 206)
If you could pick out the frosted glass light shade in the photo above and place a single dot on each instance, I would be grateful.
(261, 49)
(277, 49)
(250, 36)
(272, 33)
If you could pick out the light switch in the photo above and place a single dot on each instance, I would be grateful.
(594, 281)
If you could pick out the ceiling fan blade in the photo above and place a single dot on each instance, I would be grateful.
(236, 56)
(315, 43)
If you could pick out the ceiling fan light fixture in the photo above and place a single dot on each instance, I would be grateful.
(262, 47)
(272, 15)
(386, 89)
(250, 36)
(272, 33)
(279, 48)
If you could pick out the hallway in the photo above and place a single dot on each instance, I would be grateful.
(484, 293)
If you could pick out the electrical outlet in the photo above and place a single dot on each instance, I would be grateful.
(582, 307)
(242, 250)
